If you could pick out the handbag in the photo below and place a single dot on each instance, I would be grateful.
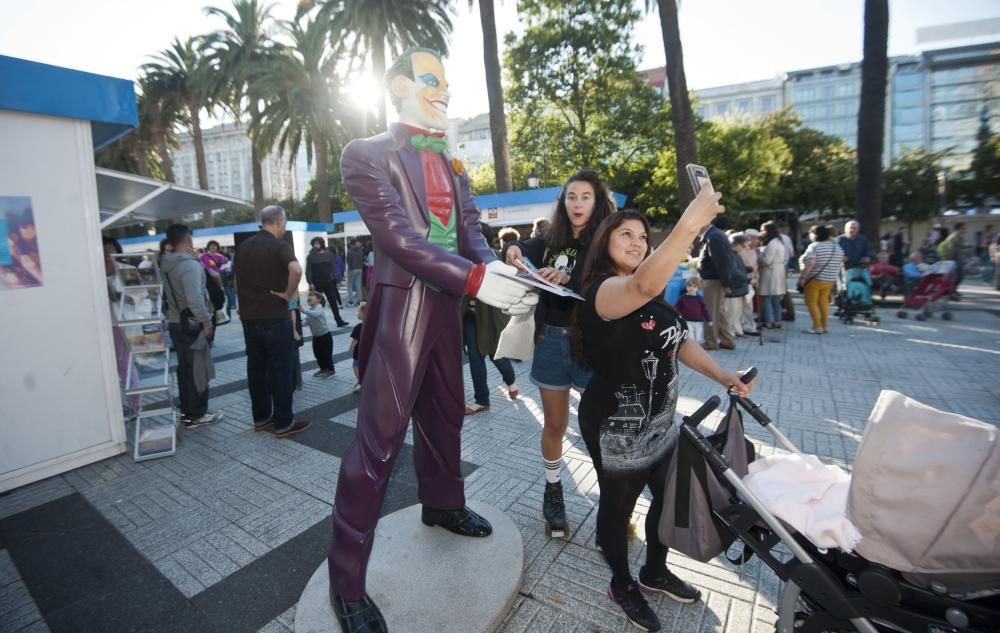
(692, 492)
(517, 340)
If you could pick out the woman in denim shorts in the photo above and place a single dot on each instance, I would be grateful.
(558, 255)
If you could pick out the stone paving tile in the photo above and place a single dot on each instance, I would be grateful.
(229, 496)
(18, 612)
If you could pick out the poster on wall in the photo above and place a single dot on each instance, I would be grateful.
(20, 262)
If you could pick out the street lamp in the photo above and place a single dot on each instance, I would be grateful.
(533, 179)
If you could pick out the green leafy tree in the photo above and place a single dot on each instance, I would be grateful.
(576, 98)
(183, 72)
(821, 175)
(236, 52)
(871, 116)
(302, 101)
(365, 28)
(910, 187)
(746, 161)
(982, 184)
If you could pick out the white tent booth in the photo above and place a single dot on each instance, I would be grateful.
(60, 399)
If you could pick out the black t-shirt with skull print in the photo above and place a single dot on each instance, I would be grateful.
(632, 397)
(559, 310)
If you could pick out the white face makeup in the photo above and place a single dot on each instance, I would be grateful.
(424, 99)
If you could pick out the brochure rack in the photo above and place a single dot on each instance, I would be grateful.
(141, 321)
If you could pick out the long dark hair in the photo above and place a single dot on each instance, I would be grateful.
(560, 231)
(599, 265)
(770, 232)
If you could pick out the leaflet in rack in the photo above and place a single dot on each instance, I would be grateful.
(529, 275)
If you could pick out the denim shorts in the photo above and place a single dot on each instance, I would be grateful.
(553, 367)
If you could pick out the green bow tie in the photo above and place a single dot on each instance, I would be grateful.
(433, 143)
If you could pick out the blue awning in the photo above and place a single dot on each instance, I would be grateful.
(108, 103)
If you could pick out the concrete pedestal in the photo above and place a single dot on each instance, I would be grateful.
(428, 579)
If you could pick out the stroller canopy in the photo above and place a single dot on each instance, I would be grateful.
(925, 495)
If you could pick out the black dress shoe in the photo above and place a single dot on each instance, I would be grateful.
(463, 522)
(360, 616)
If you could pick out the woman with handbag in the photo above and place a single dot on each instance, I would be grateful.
(633, 340)
(558, 255)
(820, 266)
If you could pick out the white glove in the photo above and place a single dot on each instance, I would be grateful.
(524, 306)
(498, 290)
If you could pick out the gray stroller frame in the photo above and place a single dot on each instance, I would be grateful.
(828, 589)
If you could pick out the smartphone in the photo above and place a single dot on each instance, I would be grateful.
(698, 176)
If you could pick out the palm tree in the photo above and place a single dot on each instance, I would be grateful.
(182, 70)
(680, 103)
(235, 52)
(494, 91)
(366, 27)
(302, 98)
(871, 116)
(164, 111)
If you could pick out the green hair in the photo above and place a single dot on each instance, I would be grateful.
(403, 66)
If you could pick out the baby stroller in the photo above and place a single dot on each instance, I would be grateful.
(932, 292)
(934, 574)
(855, 298)
(886, 279)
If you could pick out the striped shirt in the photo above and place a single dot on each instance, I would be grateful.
(828, 257)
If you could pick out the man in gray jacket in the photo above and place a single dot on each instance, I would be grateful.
(184, 287)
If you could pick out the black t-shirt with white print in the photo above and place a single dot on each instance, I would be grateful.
(632, 397)
(559, 310)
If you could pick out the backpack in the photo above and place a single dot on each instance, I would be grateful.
(692, 490)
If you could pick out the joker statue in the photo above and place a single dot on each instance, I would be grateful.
(417, 204)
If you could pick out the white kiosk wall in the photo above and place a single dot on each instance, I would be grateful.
(60, 406)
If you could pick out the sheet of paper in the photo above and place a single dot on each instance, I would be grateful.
(540, 282)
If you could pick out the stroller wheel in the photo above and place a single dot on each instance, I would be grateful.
(921, 317)
(901, 314)
(947, 316)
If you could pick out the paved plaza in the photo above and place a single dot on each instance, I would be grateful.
(224, 535)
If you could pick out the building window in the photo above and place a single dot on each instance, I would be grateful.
(766, 104)
(721, 109)
(744, 106)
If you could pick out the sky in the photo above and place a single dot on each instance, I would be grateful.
(725, 41)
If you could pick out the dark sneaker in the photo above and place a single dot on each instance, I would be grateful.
(553, 507)
(636, 608)
(208, 418)
(670, 585)
(297, 427)
(319, 372)
(266, 425)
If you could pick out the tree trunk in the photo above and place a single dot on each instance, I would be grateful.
(871, 117)
(199, 155)
(258, 177)
(494, 90)
(322, 180)
(256, 170)
(378, 70)
(680, 102)
(166, 158)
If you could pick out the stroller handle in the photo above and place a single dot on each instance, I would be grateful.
(695, 418)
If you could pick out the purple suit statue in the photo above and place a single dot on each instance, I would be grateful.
(410, 349)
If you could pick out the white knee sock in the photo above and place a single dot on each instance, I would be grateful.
(552, 470)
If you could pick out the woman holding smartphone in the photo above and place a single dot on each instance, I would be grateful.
(558, 255)
(633, 340)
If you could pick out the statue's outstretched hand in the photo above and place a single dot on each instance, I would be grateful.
(498, 290)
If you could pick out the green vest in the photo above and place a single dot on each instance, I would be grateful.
(444, 236)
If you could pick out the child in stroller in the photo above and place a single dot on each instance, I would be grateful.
(932, 292)
(938, 572)
(855, 297)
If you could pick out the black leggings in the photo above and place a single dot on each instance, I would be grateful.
(619, 492)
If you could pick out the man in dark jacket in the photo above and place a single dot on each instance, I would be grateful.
(321, 267)
(716, 269)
